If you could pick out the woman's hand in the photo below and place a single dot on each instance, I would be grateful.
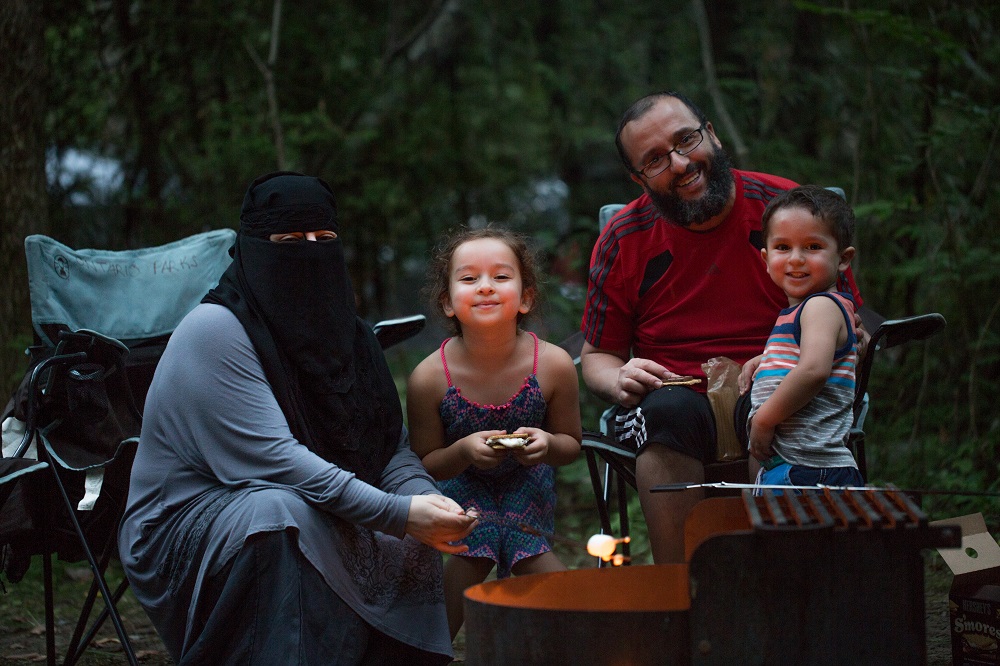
(437, 520)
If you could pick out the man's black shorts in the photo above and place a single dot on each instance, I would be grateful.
(678, 418)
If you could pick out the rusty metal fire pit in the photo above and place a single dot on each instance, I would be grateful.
(621, 615)
(823, 579)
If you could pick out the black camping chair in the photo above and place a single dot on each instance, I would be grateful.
(391, 332)
(101, 319)
(612, 466)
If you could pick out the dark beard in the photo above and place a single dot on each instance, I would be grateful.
(688, 213)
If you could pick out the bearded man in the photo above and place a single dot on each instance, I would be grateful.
(676, 279)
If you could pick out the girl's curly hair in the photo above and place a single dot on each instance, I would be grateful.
(437, 283)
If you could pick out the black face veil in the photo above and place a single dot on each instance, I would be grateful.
(296, 303)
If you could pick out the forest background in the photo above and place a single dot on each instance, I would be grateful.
(129, 123)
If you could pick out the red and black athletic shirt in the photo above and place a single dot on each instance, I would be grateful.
(680, 297)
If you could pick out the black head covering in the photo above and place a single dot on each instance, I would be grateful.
(296, 304)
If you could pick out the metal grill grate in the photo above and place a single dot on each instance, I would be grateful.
(833, 508)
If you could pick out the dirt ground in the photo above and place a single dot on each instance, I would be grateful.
(22, 618)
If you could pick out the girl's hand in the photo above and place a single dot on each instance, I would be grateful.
(760, 441)
(537, 448)
(480, 454)
(437, 521)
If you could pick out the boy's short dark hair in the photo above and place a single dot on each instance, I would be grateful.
(824, 204)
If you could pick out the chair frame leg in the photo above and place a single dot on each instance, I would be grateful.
(79, 645)
(859, 454)
(116, 619)
(50, 612)
(623, 521)
(600, 495)
(79, 642)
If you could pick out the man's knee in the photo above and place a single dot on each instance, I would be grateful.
(658, 454)
(658, 463)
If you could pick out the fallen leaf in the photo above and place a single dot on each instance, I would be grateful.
(102, 642)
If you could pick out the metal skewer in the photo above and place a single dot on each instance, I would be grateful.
(674, 487)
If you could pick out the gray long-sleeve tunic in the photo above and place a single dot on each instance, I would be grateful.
(217, 463)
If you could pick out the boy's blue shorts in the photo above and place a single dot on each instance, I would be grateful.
(787, 474)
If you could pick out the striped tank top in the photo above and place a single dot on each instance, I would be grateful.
(816, 435)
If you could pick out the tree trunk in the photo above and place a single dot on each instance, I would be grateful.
(23, 208)
(267, 71)
(740, 150)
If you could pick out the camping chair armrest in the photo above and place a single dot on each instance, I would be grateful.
(891, 333)
(390, 332)
(32, 396)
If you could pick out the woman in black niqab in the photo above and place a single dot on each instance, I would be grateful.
(241, 545)
(296, 303)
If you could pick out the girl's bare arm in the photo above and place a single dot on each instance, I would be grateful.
(558, 379)
(424, 391)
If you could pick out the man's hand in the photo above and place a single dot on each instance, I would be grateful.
(745, 380)
(863, 336)
(637, 378)
(615, 377)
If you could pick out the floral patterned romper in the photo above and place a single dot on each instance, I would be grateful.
(510, 491)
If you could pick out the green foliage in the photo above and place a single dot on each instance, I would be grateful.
(426, 116)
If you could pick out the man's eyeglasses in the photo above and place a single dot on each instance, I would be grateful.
(661, 163)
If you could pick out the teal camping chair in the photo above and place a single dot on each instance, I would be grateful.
(101, 320)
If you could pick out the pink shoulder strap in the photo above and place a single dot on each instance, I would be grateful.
(447, 373)
(534, 368)
(444, 362)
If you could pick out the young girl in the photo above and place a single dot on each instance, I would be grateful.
(493, 378)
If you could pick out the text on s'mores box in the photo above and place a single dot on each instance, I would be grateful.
(974, 599)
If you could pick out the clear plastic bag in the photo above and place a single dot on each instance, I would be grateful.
(723, 390)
